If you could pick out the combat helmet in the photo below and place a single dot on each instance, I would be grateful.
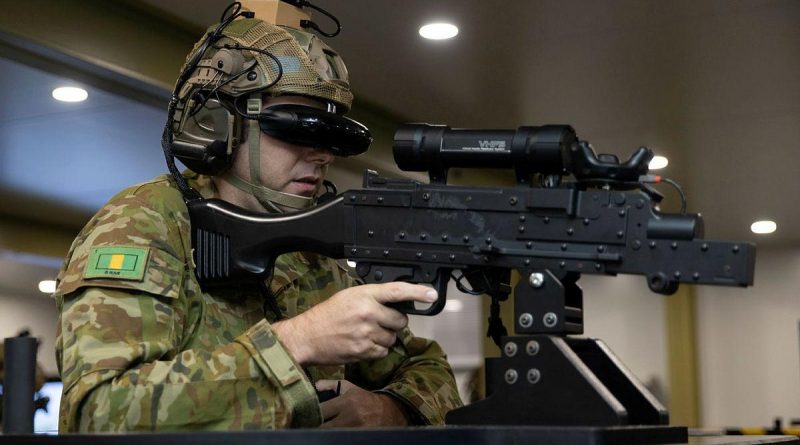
(235, 66)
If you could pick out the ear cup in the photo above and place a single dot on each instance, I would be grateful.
(206, 139)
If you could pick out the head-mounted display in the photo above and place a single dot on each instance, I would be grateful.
(313, 127)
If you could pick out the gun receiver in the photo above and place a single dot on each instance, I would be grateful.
(407, 230)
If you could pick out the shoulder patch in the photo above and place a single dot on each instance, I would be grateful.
(122, 262)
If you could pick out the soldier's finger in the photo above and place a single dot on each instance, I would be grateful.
(400, 291)
(332, 408)
(324, 385)
(385, 338)
(340, 421)
(378, 351)
(391, 318)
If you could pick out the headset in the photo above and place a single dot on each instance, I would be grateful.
(204, 129)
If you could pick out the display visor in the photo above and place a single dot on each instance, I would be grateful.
(312, 127)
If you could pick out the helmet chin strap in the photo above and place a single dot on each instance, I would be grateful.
(265, 196)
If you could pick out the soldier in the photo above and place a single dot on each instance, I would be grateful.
(142, 347)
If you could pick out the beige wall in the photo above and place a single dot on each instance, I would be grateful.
(749, 345)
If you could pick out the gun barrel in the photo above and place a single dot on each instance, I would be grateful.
(679, 227)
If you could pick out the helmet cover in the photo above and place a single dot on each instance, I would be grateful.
(309, 67)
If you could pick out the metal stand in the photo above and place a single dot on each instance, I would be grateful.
(547, 378)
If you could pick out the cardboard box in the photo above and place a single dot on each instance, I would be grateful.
(277, 12)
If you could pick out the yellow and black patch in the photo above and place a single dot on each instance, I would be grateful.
(122, 262)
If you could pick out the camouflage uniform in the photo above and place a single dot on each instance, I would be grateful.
(159, 353)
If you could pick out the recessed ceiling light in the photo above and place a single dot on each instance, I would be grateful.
(438, 31)
(762, 227)
(70, 94)
(658, 162)
(47, 286)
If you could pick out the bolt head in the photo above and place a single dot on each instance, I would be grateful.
(511, 376)
(532, 347)
(534, 376)
(526, 320)
(536, 279)
(550, 319)
(510, 349)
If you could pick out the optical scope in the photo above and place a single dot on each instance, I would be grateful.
(417, 147)
(547, 149)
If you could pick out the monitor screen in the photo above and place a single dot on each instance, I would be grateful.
(47, 422)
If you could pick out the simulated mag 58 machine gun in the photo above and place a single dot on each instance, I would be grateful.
(604, 221)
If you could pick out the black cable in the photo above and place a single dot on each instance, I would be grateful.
(312, 25)
(241, 73)
(236, 5)
(680, 192)
(216, 88)
(270, 300)
(189, 193)
(461, 287)
(496, 330)
(657, 179)
(232, 12)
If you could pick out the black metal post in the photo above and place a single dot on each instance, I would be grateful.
(18, 386)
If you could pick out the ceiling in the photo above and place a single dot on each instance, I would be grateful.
(711, 84)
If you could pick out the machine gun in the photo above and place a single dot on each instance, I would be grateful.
(605, 221)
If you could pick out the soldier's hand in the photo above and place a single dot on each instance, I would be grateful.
(353, 325)
(357, 407)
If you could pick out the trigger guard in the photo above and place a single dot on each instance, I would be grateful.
(440, 284)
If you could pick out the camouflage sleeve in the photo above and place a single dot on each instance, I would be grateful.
(120, 374)
(122, 344)
(417, 374)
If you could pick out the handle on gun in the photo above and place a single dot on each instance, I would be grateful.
(440, 284)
